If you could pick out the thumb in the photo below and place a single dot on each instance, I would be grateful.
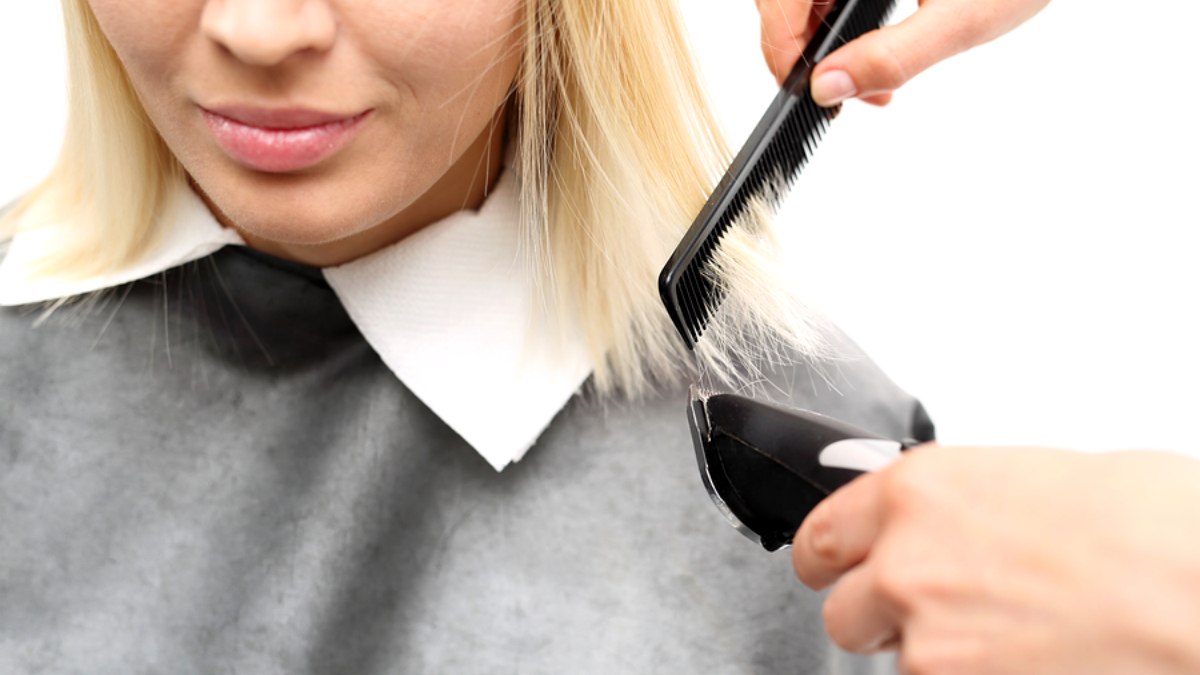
(883, 60)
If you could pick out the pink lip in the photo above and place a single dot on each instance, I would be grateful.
(279, 140)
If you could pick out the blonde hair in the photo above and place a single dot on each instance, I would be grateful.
(616, 150)
(114, 173)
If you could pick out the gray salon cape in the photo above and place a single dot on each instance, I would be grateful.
(193, 484)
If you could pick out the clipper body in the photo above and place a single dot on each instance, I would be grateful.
(766, 467)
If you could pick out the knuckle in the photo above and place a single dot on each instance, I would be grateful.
(895, 584)
(886, 67)
(905, 485)
(968, 30)
(822, 539)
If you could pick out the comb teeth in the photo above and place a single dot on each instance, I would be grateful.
(766, 168)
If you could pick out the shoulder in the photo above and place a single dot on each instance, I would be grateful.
(51, 354)
(841, 381)
(849, 385)
(26, 364)
(17, 331)
(844, 383)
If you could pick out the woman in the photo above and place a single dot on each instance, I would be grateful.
(353, 259)
(345, 246)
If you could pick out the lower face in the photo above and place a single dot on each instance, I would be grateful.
(409, 93)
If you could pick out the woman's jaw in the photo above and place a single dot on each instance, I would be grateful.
(464, 185)
(322, 131)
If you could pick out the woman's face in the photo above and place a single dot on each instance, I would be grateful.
(403, 96)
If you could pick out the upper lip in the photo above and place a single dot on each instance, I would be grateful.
(279, 118)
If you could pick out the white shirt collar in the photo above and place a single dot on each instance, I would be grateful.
(449, 310)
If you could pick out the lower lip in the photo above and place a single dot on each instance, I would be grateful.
(281, 150)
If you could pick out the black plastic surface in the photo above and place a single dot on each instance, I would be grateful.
(763, 461)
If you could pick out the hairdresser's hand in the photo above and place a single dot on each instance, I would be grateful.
(1022, 561)
(878, 63)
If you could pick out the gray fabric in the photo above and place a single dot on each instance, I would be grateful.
(211, 472)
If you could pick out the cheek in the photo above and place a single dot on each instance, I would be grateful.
(437, 70)
(150, 38)
(454, 61)
(146, 34)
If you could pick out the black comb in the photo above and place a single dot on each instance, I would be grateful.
(771, 160)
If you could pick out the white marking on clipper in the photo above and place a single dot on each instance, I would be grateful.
(860, 454)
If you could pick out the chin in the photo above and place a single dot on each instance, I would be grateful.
(302, 230)
(302, 215)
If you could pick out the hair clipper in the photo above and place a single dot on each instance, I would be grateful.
(766, 467)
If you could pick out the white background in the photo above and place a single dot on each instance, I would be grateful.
(1013, 239)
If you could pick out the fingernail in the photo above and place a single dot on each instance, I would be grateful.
(833, 87)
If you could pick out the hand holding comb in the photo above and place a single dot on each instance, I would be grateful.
(778, 149)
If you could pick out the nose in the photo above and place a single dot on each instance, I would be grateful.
(267, 32)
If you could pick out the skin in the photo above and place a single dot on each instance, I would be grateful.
(435, 72)
(993, 560)
(1014, 560)
(880, 62)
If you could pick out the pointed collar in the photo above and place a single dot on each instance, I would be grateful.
(449, 309)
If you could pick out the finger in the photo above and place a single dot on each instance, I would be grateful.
(856, 616)
(879, 99)
(784, 33)
(883, 60)
(839, 533)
